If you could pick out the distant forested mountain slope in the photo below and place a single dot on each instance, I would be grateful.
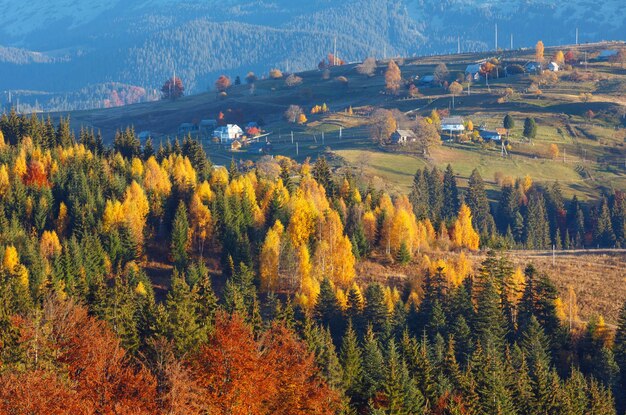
(68, 46)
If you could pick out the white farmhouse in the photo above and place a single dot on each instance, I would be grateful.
(228, 132)
(452, 125)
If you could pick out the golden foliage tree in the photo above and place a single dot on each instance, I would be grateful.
(464, 235)
(269, 259)
(559, 57)
(539, 49)
(393, 77)
(49, 244)
(201, 221)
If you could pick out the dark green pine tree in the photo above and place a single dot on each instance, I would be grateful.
(476, 200)
(603, 230)
(373, 366)
(327, 310)
(491, 383)
(530, 128)
(450, 196)
(436, 194)
(417, 357)
(354, 311)
(463, 337)
(180, 237)
(328, 362)
(120, 313)
(538, 300)
(420, 196)
(618, 217)
(437, 323)
(183, 325)
(400, 394)
(508, 122)
(351, 360)
(507, 208)
(489, 323)
(375, 311)
(575, 219)
(536, 228)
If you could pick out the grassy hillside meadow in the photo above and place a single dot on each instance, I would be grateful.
(592, 152)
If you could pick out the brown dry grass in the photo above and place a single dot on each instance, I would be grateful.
(597, 277)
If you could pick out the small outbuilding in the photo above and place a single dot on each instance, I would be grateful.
(235, 145)
(553, 66)
(490, 135)
(402, 137)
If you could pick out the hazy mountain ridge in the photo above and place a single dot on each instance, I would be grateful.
(141, 42)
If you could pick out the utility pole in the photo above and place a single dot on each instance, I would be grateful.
(577, 36)
(496, 36)
(511, 41)
(335, 53)
(458, 45)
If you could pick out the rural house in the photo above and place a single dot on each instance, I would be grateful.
(553, 66)
(452, 125)
(532, 67)
(402, 137)
(228, 132)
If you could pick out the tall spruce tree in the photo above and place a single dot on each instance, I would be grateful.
(180, 237)
(451, 204)
(476, 200)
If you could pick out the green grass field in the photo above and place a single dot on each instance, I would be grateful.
(592, 151)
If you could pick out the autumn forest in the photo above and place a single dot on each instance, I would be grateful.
(143, 279)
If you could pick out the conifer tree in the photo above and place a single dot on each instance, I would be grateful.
(530, 128)
(180, 237)
(436, 194)
(182, 323)
(536, 229)
(375, 310)
(352, 363)
(451, 203)
(400, 394)
(603, 230)
(373, 366)
(420, 195)
(476, 200)
(490, 324)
